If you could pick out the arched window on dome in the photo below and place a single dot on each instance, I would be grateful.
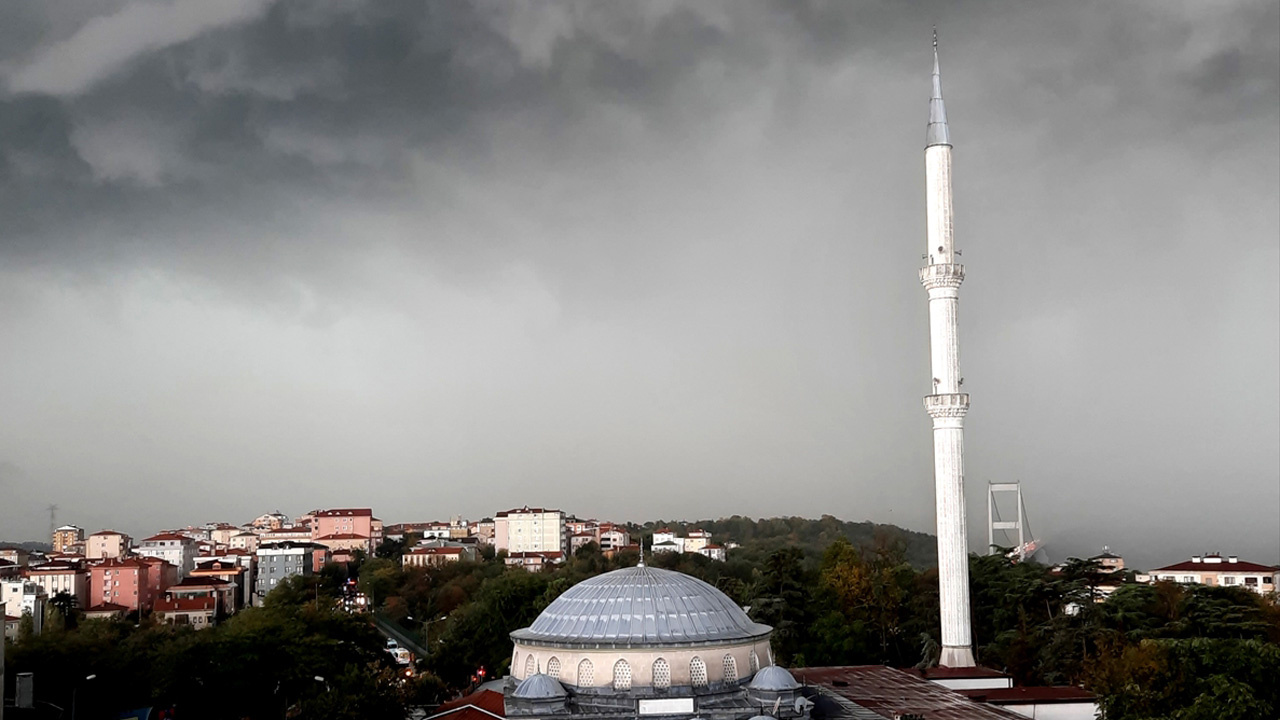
(586, 674)
(730, 669)
(553, 667)
(529, 667)
(661, 673)
(697, 672)
(755, 662)
(622, 675)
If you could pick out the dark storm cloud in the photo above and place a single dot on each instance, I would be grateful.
(558, 249)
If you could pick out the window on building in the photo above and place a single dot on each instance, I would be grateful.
(586, 673)
(553, 667)
(730, 669)
(1268, 580)
(697, 672)
(529, 667)
(661, 673)
(622, 675)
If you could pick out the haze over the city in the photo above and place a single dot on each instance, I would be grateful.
(638, 260)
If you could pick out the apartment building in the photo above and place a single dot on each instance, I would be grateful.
(62, 577)
(1228, 571)
(66, 538)
(530, 530)
(176, 549)
(107, 544)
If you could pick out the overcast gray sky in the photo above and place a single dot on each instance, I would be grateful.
(638, 260)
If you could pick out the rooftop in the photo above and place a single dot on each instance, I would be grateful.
(891, 693)
(641, 606)
(1216, 563)
(344, 512)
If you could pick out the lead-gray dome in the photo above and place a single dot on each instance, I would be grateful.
(774, 679)
(540, 686)
(641, 606)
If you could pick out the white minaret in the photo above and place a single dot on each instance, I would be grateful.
(947, 405)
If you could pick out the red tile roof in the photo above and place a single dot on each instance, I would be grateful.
(436, 551)
(1029, 695)
(345, 512)
(199, 581)
(479, 705)
(186, 605)
(893, 692)
(950, 673)
(106, 532)
(106, 607)
(165, 536)
(1216, 566)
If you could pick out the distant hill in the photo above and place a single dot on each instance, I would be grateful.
(759, 538)
(29, 546)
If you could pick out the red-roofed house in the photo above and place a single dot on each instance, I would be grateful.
(479, 705)
(1228, 571)
(199, 612)
(232, 572)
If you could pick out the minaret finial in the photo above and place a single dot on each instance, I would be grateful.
(641, 563)
(939, 133)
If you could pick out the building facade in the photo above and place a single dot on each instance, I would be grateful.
(1229, 571)
(66, 538)
(107, 544)
(176, 549)
(530, 530)
(282, 560)
(62, 577)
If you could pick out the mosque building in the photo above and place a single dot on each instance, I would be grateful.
(647, 642)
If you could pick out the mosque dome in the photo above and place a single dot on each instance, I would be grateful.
(774, 679)
(540, 687)
(641, 607)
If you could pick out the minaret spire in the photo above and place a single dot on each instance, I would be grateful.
(947, 406)
(939, 133)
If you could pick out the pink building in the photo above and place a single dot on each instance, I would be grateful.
(344, 542)
(107, 544)
(120, 582)
(160, 576)
(342, 521)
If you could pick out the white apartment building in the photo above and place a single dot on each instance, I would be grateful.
(177, 550)
(530, 530)
(1218, 570)
(58, 577)
(21, 596)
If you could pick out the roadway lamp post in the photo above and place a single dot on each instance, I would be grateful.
(76, 689)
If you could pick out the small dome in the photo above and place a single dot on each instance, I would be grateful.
(761, 717)
(540, 687)
(641, 606)
(774, 679)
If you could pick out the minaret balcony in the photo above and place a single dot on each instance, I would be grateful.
(942, 275)
(947, 404)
